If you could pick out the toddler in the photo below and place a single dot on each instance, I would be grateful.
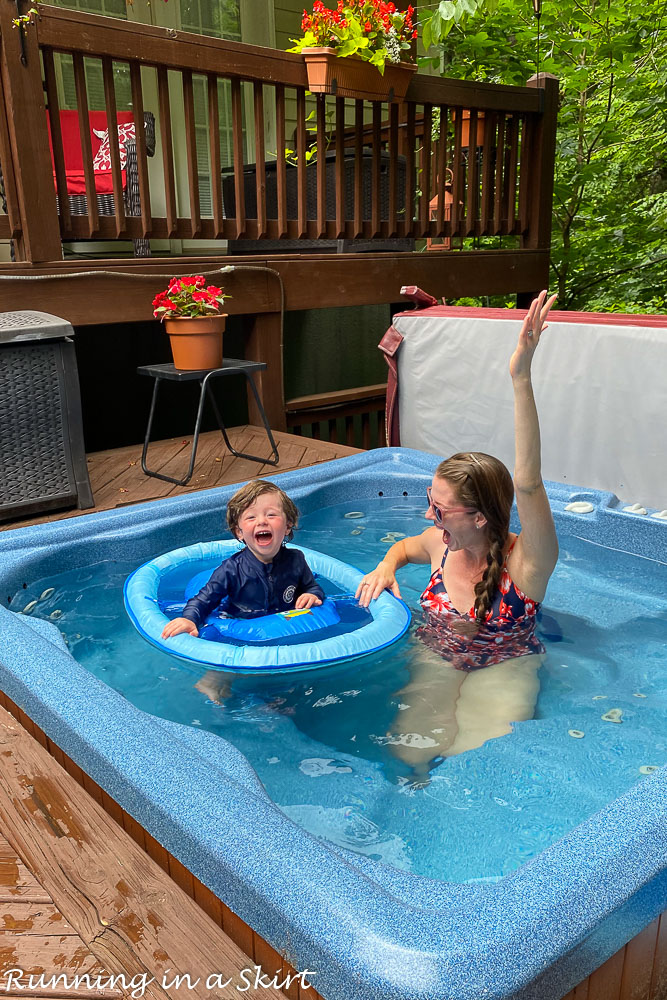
(264, 576)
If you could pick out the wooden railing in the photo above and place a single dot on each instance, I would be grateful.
(355, 417)
(376, 172)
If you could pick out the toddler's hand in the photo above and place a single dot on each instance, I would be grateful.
(306, 601)
(179, 625)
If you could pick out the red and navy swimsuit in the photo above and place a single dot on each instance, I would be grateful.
(509, 629)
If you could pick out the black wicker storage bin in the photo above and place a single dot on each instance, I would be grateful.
(42, 456)
(244, 246)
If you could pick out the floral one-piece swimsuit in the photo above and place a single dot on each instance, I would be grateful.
(508, 632)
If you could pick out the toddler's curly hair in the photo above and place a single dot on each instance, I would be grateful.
(247, 495)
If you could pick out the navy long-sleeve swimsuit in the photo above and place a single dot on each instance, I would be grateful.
(245, 587)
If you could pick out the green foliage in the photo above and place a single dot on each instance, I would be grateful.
(610, 200)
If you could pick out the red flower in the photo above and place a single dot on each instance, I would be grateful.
(414, 33)
(367, 26)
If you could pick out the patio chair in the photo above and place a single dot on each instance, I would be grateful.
(69, 125)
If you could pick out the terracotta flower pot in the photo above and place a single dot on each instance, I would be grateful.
(465, 128)
(196, 344)
(354, 77)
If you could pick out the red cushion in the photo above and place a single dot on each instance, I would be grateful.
(69, 127)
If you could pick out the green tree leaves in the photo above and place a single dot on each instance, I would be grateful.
(610, 199)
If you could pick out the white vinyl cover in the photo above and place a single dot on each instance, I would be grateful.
(601, 392)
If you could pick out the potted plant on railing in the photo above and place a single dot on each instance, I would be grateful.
(191, 313)
(356, 49)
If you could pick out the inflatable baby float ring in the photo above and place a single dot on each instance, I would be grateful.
(339, 629)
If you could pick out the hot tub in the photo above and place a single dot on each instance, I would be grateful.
(364, 928)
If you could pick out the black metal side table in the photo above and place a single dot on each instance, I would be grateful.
(230, 366)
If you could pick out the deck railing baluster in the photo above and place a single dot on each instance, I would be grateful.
(410, 172)
(167, 151)
(321, 168)
(457, 170)
(488, 152)
(510, 172)
(499, 181)
(114, 149)
(301, 200)
(260, 169)
(473, 176)
(191, 151)
(56, 140)
(376, 213)
(525, 165)
(358, 168)
(425, 178)
(237, 139)
(142, 161)
(214, 140)
(281, 165)
(393, 169)
(340, 168)
(441, 172)
(86, 143)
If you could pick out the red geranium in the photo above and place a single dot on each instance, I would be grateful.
(188, 297)
(374, 30)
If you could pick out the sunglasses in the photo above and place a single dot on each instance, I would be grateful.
(441, 512)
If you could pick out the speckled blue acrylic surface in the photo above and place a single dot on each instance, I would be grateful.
(365, 929)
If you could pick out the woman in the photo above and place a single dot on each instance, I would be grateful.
(485, 587)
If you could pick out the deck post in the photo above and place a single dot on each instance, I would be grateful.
(539, 157)
(264, 343)
(29, 140)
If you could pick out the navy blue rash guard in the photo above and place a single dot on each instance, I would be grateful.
(247, 587)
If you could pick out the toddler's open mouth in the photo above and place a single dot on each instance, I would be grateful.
(263, 537)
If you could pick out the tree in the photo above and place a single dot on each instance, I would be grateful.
(609, 246)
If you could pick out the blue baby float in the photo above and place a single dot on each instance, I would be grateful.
(339, 629)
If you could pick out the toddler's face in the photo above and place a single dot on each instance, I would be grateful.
(263, 526)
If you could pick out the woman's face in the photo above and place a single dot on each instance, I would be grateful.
(457, 522)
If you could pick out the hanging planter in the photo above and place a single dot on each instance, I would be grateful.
(352, 76)
(190, 311)
(196, 344)
(356, 49)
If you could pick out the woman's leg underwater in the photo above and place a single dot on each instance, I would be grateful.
(425, 724)
(494, 697)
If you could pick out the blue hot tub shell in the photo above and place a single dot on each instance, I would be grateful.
(366, 929)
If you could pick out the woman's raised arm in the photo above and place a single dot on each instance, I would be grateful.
(536, 551)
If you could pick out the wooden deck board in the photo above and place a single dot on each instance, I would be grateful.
(117, 479)
(121, 913)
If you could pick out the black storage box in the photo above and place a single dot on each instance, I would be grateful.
(244, 246)
(42, 456)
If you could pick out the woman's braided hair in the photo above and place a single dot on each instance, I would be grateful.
(485, 484)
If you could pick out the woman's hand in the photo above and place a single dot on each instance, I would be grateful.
(179, 625)
(529, 336)
(373, 584)
(306, 601)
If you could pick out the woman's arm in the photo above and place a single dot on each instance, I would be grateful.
(415, 549)
(536, 551)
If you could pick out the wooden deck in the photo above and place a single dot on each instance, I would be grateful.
(117, 480)
(78, 896)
